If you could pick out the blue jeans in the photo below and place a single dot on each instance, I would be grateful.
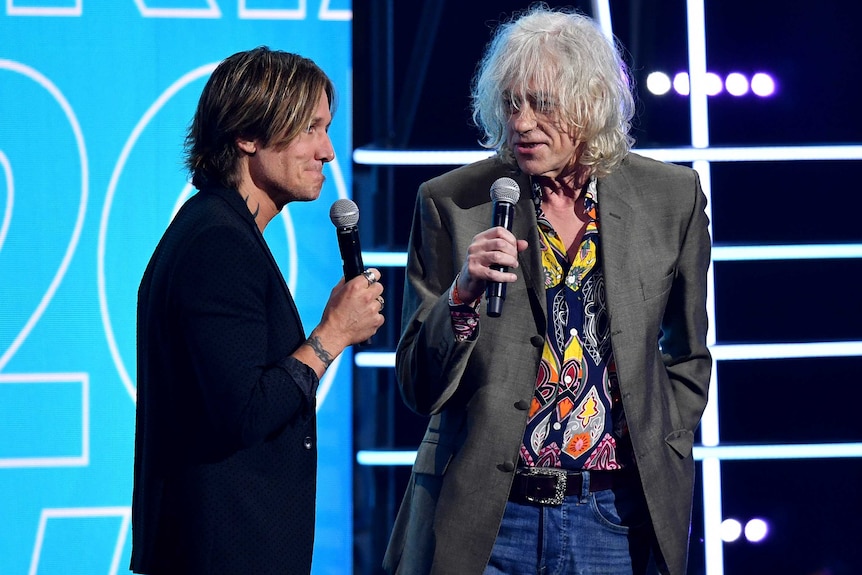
(603, 533)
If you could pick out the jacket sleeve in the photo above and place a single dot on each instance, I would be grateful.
(429, 362)
(225, 298)
(684, 326)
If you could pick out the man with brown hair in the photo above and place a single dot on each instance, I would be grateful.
(225, 445)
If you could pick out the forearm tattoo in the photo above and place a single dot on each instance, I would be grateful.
(314, 343)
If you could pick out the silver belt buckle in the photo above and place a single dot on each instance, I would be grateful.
(559, 476)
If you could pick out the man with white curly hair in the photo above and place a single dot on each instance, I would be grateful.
(561, 425)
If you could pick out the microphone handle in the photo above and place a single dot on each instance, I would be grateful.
(504, 213)
(351, 253)
(351, 257)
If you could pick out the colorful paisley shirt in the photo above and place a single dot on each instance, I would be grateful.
(576, 420)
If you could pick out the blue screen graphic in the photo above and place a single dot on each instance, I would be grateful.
(95, 97)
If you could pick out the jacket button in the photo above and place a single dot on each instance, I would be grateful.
(523, 405)
(307, 443)
(537, 341)
(507, 466)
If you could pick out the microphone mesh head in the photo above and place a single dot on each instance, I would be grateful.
(505, 190)
(344, 213)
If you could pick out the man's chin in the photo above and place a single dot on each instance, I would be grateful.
(313, 194)
(528, 166)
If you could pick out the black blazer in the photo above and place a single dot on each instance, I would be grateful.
(225, 444)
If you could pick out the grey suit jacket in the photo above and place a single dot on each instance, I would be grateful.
(656, 251)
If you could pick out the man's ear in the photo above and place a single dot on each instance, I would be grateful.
(247, 146)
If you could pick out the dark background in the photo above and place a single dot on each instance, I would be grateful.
(413, 62)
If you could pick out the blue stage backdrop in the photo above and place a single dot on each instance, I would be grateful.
(95, 97)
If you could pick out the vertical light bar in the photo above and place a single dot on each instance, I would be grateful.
(602, 14)
(696, 34)
(697, 73)
(709, 429)
(713, 544)
(702, 167)
(709, 424)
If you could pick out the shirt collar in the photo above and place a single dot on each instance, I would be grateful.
(591, 191)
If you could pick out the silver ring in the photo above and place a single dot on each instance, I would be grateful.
(380, 301)
(369, 275)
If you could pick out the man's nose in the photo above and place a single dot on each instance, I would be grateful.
(327, 153)
(523, 119)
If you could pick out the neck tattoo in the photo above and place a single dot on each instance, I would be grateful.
(254, 212)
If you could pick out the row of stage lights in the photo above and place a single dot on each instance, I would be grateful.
(735, 84)
(755, 530)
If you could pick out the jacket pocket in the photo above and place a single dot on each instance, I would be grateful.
(433, 457)
(681, 441)
(655, 288)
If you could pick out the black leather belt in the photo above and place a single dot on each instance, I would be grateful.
(549, 485)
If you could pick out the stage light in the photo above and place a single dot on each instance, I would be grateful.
(730, 531)
(736, 84)
(762, 84)
(713, 84)
(681, 84)
(756, 530)
(658, 83)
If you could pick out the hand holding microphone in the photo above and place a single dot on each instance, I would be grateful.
(505, 194)
(354, 304)
(493, 252)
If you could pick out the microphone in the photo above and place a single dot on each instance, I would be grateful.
(504, 193)
(344, 214)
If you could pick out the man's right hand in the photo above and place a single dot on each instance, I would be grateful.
(353, 313)
(495, 246)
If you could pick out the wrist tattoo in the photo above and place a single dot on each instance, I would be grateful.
(314, 343)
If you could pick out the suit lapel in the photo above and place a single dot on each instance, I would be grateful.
(524, 226)
(530, 261)
(236, 202)
(615, 224)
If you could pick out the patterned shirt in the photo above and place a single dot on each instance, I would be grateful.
(576, 420)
